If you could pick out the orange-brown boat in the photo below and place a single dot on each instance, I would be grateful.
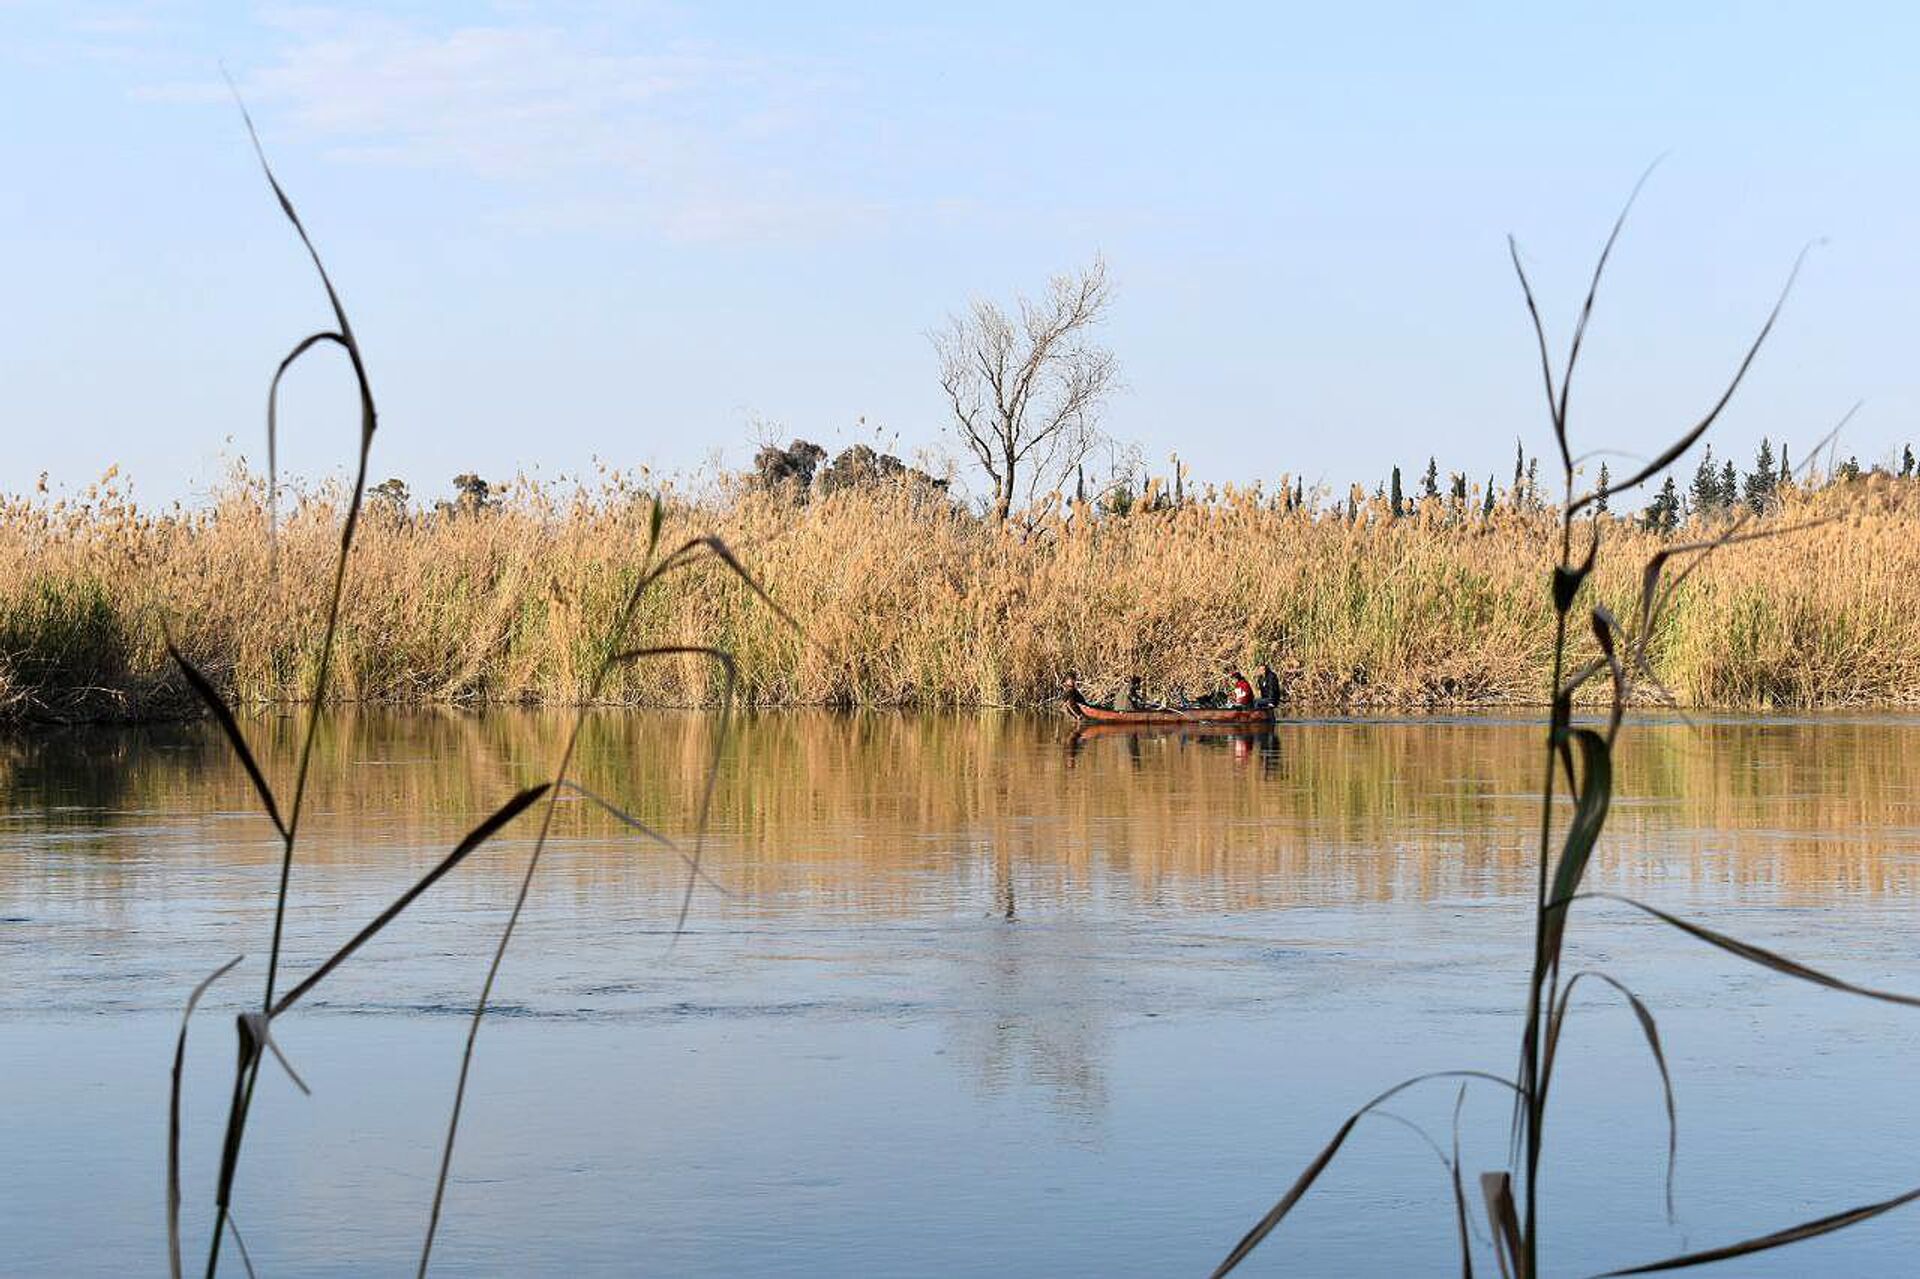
(1249, 716)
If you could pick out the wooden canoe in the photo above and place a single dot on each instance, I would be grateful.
(1254, 716)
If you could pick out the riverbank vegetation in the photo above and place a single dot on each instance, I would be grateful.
(908, 599)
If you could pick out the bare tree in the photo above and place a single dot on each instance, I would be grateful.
(1026, 389)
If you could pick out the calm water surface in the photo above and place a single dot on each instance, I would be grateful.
(974, 1000)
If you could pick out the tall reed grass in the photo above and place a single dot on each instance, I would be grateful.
(912, 603)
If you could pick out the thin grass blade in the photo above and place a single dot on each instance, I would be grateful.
(1755, 954)
(732, 672)
(1586, 308)
(625, 818)
(1604, 630)
(1590, 815)
(259, 1026)
(689, 554)
(173, 1114)
(273, 416)
(1304, 1182)
(1675, 450)
(246, 1259)
(1778, 1239)
(1650, 1030)
(1460, 1190)
(231, 727)
(1540, 338)
(1497, 1189)
(477, 836)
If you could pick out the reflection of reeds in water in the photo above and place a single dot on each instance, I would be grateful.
(872, 809)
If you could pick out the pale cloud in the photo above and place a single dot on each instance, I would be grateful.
(590, 125)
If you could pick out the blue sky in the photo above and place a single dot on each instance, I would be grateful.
(641, 233)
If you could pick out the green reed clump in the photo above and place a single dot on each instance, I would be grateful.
(1593, 645)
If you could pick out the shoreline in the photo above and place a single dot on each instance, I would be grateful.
(1303, 713)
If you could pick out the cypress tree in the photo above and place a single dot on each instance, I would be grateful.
(1906, 462)
(1729, 486)
(1486, 505)
(1600, 493)
(1786, 472)
(1705, 490)
(1760, 483)
(1396, 493)
(1430, 485)
(1663, 513)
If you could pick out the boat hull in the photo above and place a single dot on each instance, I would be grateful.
(1243, 716)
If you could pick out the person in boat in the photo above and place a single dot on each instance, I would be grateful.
(1269, 685)
(1070, 691)
(1239, 692)
(1132, 697)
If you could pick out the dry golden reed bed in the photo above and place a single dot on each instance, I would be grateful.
(908, 601)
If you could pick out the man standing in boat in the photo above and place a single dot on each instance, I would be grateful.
(1132, 697)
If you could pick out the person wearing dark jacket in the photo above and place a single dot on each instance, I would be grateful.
(1269, 685)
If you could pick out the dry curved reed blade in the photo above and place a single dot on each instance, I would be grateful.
(1674, 451)
(625, 818)
(1650, 1030)
(173, 1114)
(1452, 1167)
(1755, 954)
(727, 664)
(1460, 1191)
(1595, 794)
(474, 838)
(688, 554)
(231, 727)
(1777, 1239)
(1586, 309)
(246, 1258)
(1497, 1189)
(1304, 1182)
(273, 417)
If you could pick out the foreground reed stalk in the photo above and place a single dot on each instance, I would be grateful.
(254, 1029)
(1583, 757)
(619, 656)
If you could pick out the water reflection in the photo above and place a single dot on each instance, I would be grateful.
(892, 815)
(1244, 745)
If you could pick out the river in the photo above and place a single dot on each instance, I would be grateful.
(965, 996)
